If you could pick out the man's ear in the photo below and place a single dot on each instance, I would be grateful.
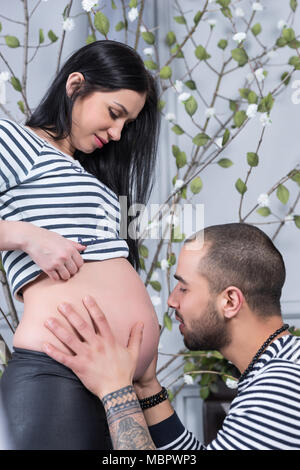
(231, 300)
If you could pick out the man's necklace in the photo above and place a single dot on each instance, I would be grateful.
(261, 350)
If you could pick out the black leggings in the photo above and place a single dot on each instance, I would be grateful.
(46, 406)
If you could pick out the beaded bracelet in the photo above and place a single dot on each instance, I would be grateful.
(154, 399)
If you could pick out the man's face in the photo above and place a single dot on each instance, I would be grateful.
(202, 325)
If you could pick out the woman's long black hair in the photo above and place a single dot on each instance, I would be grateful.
(125, 166)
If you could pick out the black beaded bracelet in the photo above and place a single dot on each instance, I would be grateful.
(154, 399)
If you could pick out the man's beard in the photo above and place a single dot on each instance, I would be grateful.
(207, 333)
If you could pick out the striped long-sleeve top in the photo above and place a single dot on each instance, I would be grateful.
(265, 414)
(50, 189)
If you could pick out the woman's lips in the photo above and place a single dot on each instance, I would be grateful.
(100, 142)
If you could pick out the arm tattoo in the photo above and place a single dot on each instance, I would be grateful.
(127, 425)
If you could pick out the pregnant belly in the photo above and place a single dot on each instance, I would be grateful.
(117, 289)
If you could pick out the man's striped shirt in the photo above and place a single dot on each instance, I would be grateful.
(50, 189)
(265, 414)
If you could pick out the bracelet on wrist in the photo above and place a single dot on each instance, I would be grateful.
(159, 397)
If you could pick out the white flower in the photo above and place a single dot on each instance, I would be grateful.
(271, 54)
(188, 379)
(239, 12)
(212, 22)
(239, 37)
(155, 299)
(148, 51)
(170, 117)
(209, 112)
(160, 346)
(68, 24)
(4, 77)
(142, 29)
(178, 85)
(251, 110)
(219, 141)
(281, 24)
(172, 219)
(184, 96)
(133, 14)
(178, 184)
(87, 5)
(259, 73)
(164, 264)
(155, 276)
(231, 383)
(250, 77)
(256, 6)
(263, 200)
(265, 120)
(289, 218)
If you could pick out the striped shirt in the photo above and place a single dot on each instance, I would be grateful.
(265, 414)
(50, 189)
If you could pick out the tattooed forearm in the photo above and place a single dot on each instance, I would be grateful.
(127, 425)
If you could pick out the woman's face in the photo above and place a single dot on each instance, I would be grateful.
(101, 116)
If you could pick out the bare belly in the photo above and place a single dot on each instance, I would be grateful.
(117, 289)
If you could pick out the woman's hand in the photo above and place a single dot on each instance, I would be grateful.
(100, 362)
(57, 256)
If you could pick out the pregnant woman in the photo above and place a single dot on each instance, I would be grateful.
(92, 139)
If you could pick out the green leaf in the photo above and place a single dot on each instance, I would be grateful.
(225, 162)
(204, 392)
(142, 264)
(12, 41)
(143, 251)
(191, 105)
(244, 92)
(113, 5)
(177, 130)
(21, 106)
(167, 322)
(180, 19)
(252, 97)
(133, 3)
(226, 137)
(91, 38)
(191, 84)
(283, 194)
(293, 5)
(119, 26)
(161, 105)
(52, 36)
(101, 23)
(148, 37)
(201, 54)
(294, 44)
(165, 72)
(288, 34)
(155, 285)
(266, 104)
(295, 62)
(0, 27)
(240, 56)
(16, 83)
(239, 118)
(233, 105)
(172, 259)
(149, 64)
(198, 17)
(196, 185)
(222, 44)
(177, 236)
(295, 176)
(41, 36)
(281, 42)
(264, 211)
(256, 29)
(201, 139)
(240, 186)
(175, 150)
(297, 220)
(170, 38)
(176, 50)
(252, 159)
(285, 78)
(224, 3)
(181, 159)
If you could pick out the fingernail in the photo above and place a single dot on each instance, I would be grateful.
(49, 322)
(46, 347)
(62, 307)
(88, 299)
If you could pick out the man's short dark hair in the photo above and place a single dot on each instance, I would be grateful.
(243, 256)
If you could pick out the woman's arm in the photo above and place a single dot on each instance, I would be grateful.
(13, 235)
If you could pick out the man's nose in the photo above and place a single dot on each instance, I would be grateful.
(173, 300)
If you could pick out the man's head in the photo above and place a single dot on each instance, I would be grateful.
(236, 268)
